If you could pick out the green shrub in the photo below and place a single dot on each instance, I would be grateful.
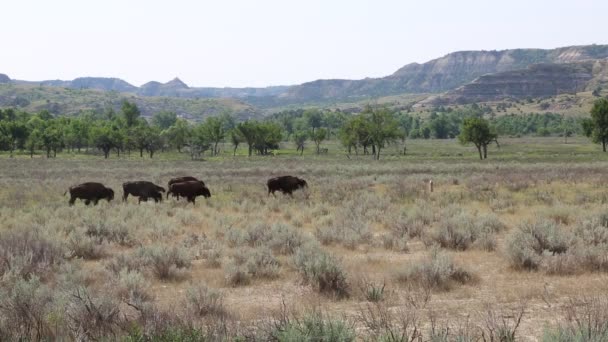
(164, 261)
(285, 239)
(28, 252)
(314, 327)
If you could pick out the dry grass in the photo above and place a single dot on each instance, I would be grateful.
(501, 234)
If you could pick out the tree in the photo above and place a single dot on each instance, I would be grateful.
(154, 140)
(597, 127)
(477, 131)
(383, 128)
(318, 138)
(179, 134)
(102, 138)
(33, 141)
(314, 117)
(52, 138)
(235, 138)
(597, 91)
(130, 113)
(247, 130)
(164, 119)
(11, 132)
(213, 129)
(300, 138)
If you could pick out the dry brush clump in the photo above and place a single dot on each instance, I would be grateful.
(322, 270)
(436, 272)
(556, 249)
(461, 230)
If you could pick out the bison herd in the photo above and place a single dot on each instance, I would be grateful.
(187, 187)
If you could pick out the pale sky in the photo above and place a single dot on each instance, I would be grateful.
(273, 42)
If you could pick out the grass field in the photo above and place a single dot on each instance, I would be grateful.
(366, 252)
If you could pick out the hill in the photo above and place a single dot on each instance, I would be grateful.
(536, 81)
(68, 101)
(439, 75)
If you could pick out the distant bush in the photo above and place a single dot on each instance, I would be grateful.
(585, 320)
(437, 271)
(236, 275)
(202, 301)
(28, 252)
(313, 327)
(321, 270)
(164, 261)
(24, 312)
(262, 264)
(285, 239)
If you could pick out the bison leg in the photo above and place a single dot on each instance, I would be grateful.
(87, 201)
(95, 200)
(72, 200)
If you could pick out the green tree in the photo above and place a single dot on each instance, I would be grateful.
(52, 138)
(318, 138)
(477, 131)
(248, 130)
(213, 128)
(383, 128)
(597, 128)
(300, 138)
(12, 132)
(104, 138)
(33, 141)
(236, 138)
(154, 140)
(179, 134)
(130, 113)
(164, 119)
(314, 118)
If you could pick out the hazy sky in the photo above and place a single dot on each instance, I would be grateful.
(273, 42)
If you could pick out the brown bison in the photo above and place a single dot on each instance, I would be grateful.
(190, 190)
(90, 191)
(285, 184)
(181, 180)
(143, 190)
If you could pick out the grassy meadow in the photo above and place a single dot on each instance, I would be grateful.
(511, 248)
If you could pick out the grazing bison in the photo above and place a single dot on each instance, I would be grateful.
(285, 184)
(143, 190)
(181, 180)
(90, 191)
(190, 190)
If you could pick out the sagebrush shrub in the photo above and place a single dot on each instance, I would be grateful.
(437, 271)
(164, 260)
(28, 252)
(322, 270)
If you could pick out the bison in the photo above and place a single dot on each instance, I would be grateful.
(181, 180)
(90, 191)
(143, 190)
(285, 184)
(190, 190)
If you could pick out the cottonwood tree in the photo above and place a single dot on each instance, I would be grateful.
(178, 134)
(236, 138)
(383, 128)
(318, 138)
(299, 139)
(477, 131)
(213, 128)
(597, 127)
(130, 113)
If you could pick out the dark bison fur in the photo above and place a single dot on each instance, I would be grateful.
(285, 184)
(181, 180)
(143, 190)
(90, 192)
(190, 190)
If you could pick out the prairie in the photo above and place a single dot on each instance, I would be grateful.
(511, 248)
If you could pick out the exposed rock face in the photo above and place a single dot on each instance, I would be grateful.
(442, 74)
(538, 80)
(4, 78)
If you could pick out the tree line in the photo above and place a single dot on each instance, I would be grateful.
(368, 132)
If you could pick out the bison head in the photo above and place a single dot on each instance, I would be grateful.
(109, 194)
(206, 192)
(302, 183)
